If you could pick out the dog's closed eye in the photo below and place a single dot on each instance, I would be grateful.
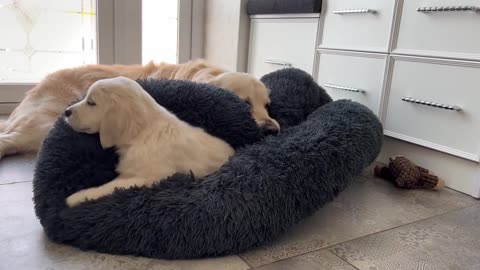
(91, 103)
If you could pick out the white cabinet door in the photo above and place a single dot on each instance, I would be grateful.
(354, 76)
(362, 25)
(445, 28)
(281, 42)
(435, 103)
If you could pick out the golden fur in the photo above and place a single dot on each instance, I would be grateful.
(29, 123)
(151, 142)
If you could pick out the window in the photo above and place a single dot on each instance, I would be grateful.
(159, 31)
(44, 36)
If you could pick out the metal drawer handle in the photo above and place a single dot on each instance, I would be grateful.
(339, 87)
(432, 104)
(352, 11)
(448, 8)
(278, 63)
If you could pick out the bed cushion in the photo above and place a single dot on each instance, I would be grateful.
(266, 187)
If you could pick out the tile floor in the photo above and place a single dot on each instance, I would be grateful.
(371, 226)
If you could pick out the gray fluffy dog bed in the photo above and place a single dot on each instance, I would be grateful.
(269, 185)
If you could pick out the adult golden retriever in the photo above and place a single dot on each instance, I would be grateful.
(152, 143)
(28, 125)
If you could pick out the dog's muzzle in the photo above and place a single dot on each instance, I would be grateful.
(269, 128)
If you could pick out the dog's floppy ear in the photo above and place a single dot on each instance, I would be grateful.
(118, 126)
(109, 128)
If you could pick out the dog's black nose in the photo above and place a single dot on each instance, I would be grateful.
(269, 128)
(68, 113)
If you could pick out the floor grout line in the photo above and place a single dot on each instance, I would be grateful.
(343, 260)
(13, 183)
(249, 266)
(326, 248)
(253, 268)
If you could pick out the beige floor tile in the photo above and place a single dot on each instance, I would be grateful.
(16, 168)
(17, 216)
(369, 205)
(368, 172)
(317, 260)
(33, 251)
(23, 245)
(447, 242)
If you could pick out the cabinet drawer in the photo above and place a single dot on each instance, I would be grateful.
(445, 28)
(280, 43)
(435, 103)
(357, 24)
(354, 76)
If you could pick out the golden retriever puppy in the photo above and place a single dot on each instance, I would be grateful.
(151, 142)
(28, 125)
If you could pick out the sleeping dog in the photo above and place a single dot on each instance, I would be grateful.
(28, 125)
(151, 142)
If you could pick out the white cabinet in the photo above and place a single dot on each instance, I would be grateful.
(355, 76)
(416, 64)
(282, 41)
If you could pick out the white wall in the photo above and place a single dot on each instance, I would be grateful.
(226, 33)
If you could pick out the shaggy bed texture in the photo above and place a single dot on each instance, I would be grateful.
(263, 190)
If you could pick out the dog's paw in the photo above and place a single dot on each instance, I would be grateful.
(82, 196)
(77, 198)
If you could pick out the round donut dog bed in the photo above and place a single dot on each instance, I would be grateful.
(263, 190)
